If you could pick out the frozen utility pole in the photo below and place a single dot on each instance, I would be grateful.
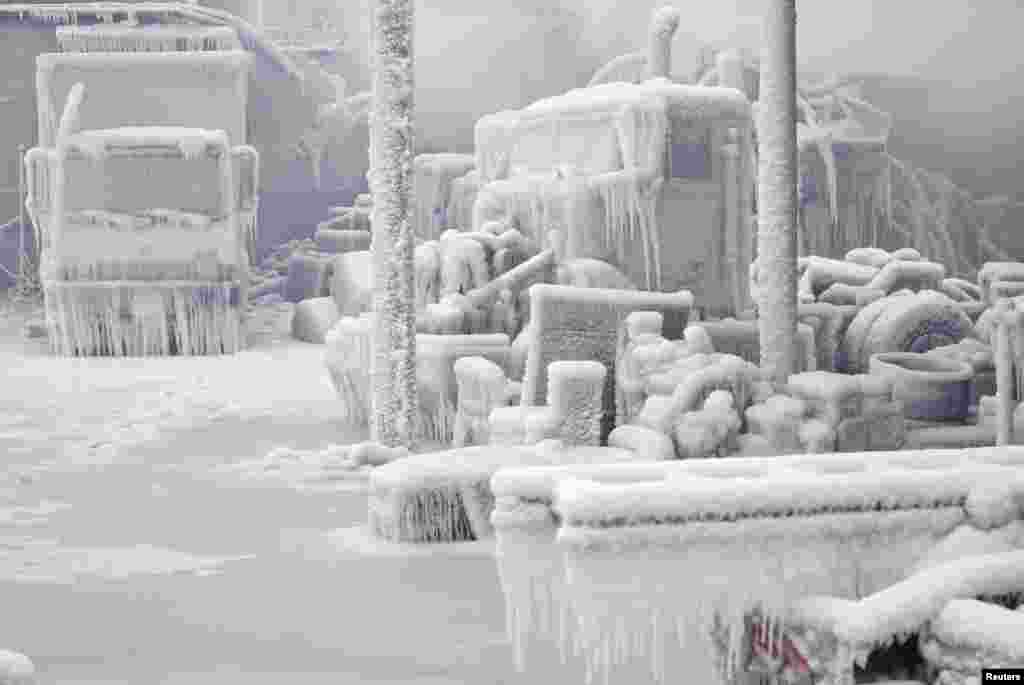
(777, 193)
(393, 362)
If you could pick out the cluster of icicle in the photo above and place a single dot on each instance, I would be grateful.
(530, 201)
(631, 214)
(906, 205)
(119, 320)
(129, 38)
(444, 513)
(942, 220)
(436, 412)
(348, 352)
(203, 268)
(626, 598)
(630, 196)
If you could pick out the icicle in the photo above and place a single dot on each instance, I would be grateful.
(347, 356)
(825, 148)
(120, 319)
(630, 203)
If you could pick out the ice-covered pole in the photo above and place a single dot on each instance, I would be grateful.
(393, 363)
(664, 23)
(1006, 390)
(777, 193)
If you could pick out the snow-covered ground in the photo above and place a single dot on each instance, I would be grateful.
(181, 521)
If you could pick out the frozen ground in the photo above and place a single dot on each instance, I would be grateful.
(146, 537)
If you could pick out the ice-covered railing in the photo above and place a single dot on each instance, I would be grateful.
(622, 561)
(128, 38)
(943, 595)
(147, 14)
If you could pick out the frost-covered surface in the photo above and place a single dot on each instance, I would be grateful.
(782, 493)
(331, 468)
(575, 399)
(48, 561)
(541, 484)
(165, 394)
(974, 538)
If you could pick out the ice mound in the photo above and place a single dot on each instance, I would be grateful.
(16, 669)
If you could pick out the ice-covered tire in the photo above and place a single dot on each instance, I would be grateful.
(916, 323)
(856, 332)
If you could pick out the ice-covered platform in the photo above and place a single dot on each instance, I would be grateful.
(620, 561)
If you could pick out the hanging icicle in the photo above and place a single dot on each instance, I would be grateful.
(123, 319)
(630, 202)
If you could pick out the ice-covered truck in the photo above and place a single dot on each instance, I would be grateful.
(656, 178)
(145, 197)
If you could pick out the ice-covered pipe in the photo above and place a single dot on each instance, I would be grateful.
(69, 120)
(664, 23)
(484, 295)
(732, 183)
(1005, 392)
